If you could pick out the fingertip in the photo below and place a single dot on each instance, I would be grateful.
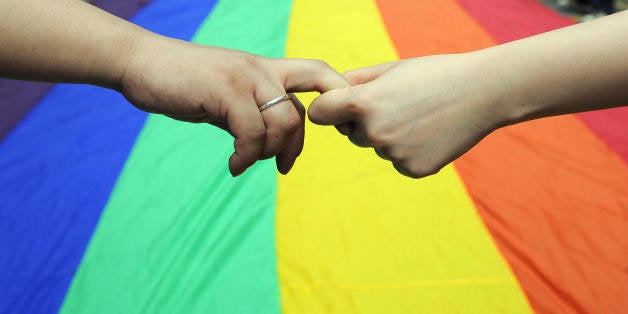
(318, 104)
(331, 108)
(282, 166)
(234, 170)
(312, 110)
(314, 116)
(284, 169)
(237, 166)
(304, 75)
(367, 74)
(331, 80)
(285, 159)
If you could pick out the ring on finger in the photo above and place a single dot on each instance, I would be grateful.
(275, 101)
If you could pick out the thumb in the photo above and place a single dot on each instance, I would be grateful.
(333, 107)
(367, 74)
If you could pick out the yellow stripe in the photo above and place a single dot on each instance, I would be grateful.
(406, 284)
(353, 236)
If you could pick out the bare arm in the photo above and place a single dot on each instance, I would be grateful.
(579, 68)
(64, 40)
(71, 41)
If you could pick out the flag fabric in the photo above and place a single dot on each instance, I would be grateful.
(107, 209)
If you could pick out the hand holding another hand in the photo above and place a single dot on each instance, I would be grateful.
(420, 113)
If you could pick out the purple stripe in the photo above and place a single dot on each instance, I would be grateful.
(125, 9)
(18, 97)
(16, 100)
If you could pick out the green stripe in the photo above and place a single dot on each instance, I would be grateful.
(179, 235)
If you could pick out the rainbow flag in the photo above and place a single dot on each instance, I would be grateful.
(107, 209)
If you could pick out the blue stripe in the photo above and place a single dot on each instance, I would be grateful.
(58, 168)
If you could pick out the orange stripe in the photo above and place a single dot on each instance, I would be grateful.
(553, 196)
(419, 29)
(555, 199)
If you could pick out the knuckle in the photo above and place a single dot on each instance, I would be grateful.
(355, 109)
(375, 139)
(362, 97)
(359, 139)
(382, 153)
(248, 61)
(396, 158)
(257, 133)
(380, 138)
(292, 123)
(423, 171)
(321, 65)
(348, 73)
(286, 125)
(414, 168)
(325, 75)
(235, 81)
(237, 68)
(358, 105)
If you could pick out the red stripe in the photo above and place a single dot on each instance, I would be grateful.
(508, 20)
(610, 125)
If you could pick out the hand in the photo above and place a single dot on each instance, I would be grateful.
(418, 113)
(224, 87)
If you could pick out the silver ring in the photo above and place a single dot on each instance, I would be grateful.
(274, 102)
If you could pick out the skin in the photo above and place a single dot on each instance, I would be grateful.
(50, 41)
(423, 113)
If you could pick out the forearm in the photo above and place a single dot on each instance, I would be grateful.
(64, 41)
(574, 69)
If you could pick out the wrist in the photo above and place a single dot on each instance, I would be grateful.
(125, 49)
(485, 89)
(506, 97)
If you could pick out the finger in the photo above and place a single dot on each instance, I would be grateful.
(346, 128)
(247, 126)
(358, 137)
(367, 74)
(334, 107)
(302, 75)
(381, 153)
(294, 146)
(403, 171)
(282, 120)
